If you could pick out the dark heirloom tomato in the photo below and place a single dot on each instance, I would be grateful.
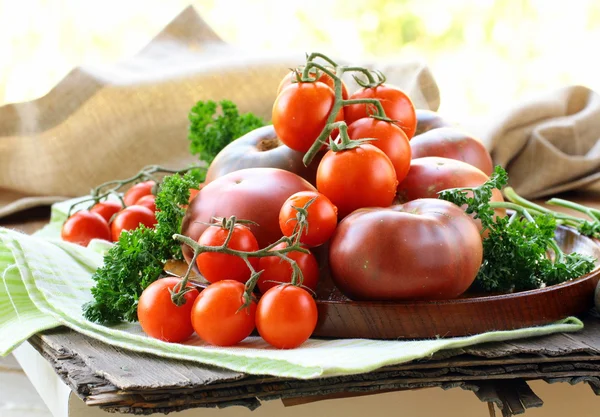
(452, 143)
(261, 148)
(427, 249)
(255, 194)
(428, 119)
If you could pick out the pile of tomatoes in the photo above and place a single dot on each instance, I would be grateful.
(373, 205)
(108, 219)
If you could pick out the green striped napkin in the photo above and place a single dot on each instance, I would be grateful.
(45, 281)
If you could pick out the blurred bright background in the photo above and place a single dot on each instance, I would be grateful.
(484, 54)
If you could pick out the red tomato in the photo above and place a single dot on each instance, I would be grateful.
(286, 316)
(452, 143)
(107, 209)
(300, 113)
(277, 270)
(389, 138)
(217, 317)
(356, 178)
(148, 201)
(290, 78)
(425, 249)
(84, 226)
(219, 266)
(322, 217)
(396, 104)
(193, 194)
(255, 194)
(160, 317)
(131, 218)
(138, 191)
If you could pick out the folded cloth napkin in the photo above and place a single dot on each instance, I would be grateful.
(549, 144)
(45, 281)
(103, 123)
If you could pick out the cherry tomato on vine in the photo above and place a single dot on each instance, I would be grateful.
(148, 201)
(277, 270)
(300, 113)
(322, 217)
(389, 138)
(84, 226)
(218, 317)
(138, 191)
(220, 266)
(286, 316)
(107, 209)
(355, 178)
(160, 317)
(396, 104)
(290, 78)
(131, 218)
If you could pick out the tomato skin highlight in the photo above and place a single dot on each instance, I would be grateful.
(360, 177)
(160, 318)
(107, 209)
(131, 218)
(389, 138)
(322, 217)
(286, 316)
(300, 113)
(138, 191)
(280, 271)
(220, 266)
(216, 315)
(427, 249)
(396, 104)
(84, 226)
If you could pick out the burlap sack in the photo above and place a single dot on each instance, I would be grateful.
(549, 144)
(100, 124)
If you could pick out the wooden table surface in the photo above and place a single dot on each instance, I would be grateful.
(118, 380)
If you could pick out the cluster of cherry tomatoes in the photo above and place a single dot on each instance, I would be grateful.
(224, 314)
(106, 220)
(369, 171)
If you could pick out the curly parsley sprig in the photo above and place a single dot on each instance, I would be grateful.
(515, 250)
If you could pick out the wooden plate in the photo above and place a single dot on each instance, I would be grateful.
(342, 318)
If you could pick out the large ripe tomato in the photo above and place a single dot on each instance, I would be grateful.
(389, 138)
(300, 113)
(430, 175)
(162, 319)
(138, 191)
(107, 209)
(452, 143)
(396, 104)
(277, 271)
(356, 178)
(131, 218)
(84, 226)
(219, 266)
(290, 78)
(217, 315)
(322, 217)
(255, 194)
(427, 249)
(286, 316)
(261, 148)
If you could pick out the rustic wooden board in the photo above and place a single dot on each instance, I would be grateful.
(123, 381)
